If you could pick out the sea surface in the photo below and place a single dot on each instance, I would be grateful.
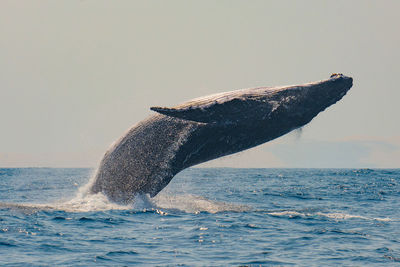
(204, 217)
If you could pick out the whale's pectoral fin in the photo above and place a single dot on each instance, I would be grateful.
(191, 114)
(209, 112)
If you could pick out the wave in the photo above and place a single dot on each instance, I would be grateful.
(97, 202)
(334, 215)
(166, 202)
(84, 202)
(195, 204)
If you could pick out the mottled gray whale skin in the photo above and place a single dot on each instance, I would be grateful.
(152, 152)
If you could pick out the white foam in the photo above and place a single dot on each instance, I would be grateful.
(344, 216)
(89, 202)
(161, 204)
(334, 215)
(194, 204)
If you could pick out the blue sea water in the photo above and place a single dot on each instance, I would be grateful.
(205, 217)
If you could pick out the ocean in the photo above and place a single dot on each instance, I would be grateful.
(204, 217)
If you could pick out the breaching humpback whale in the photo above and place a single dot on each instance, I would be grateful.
(151, 153)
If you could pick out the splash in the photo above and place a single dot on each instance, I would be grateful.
(89, 202)
(162, 204)
(95, 202)
(85, 201)
(188, 203)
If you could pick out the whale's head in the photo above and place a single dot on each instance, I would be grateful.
(298, 105)
(293, 106)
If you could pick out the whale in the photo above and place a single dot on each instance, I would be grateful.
(146, 158)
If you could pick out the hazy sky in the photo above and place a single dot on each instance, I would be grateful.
(75, 75)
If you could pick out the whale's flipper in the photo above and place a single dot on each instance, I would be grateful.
(225, 111)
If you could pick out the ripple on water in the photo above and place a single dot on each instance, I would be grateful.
(209, 217)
